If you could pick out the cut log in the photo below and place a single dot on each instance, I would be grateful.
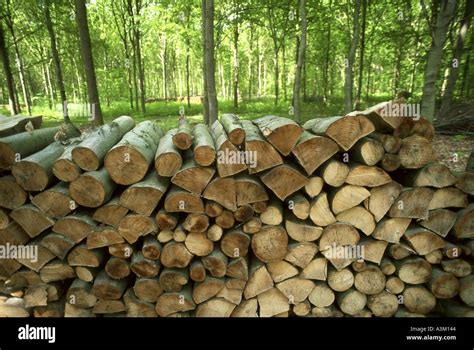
(418, 299)
(400, 251)
(387, 266)
(247, 308)
(415, 152)
(238, 268)
(56, 270)
(346, 131)
(448, 197)
(411, 203)
(86, 274)
(175, 254)
(144, 196)
(260, 207)
(166, 221)
(314, 186)
(302, 309)
(367, 151)
(346, 197)
(419, 126)
(12, 125)
(151, 248)
(422, 240)
(31, 219)
(103, 236)
(338, 234)
(281, 270)
(434, 257)
(316, 270)
(458, 267)
(321, 295)
(390, 162)
(370, 249)
(80, 294)
(340, 281)
(107, 288)
(294, 180)
(229, 159)
(75, 226)
(59, 245)
(465, 182)
(54, 309)
(311, 151)
(179, 234)
(64, 167)
(383, 304)
(168, 157)
(226, 219)
(147, 289)
(222, 191)
(4, 219)
(178, 200)
(358, 217)
(216, 307)
(197, 271)
(439, 221)
(35, 172)
(215, 232)
(431, 175)
(452, 251)
(351, 301)
(443, 285)
(55, 201)
(81, 256)
(394, 285)
(282, 133)
(249, 190)
(173, 280)
(273, 214)
(213, 209)
(233, 127)
(256, 145)
(334, 172)
(296, 289)
(16, 147)
(193, 177)
(198, 244)
(35, 256)
(301, 254)
(92, 189)
(204, 150)
(359, 265)
(110, 213)
(371, 281)
(368, 176)
(381, 199)
(89, 154)
(106, 307)
(12, 195)
(414, 270)
(207, 289)
(301, 231)
(196, 222)
(391, 230)
(136, 307)
(216, 263)
(133, 226)
(244, 213)
(466, 290)
(320, 213)
(464, 226)
(385, 116)
(128, 161)
(299, 205)
(259, 281)
(117, 268)
(270, 243)
(235, 243)
(183, 138)
(170, 303)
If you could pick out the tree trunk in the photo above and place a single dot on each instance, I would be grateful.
(204, 64)
(141, 71)
(435, 55)
(361, 54)
(210, 60)
(86, 51)
(236, 59)
(348, 81)
(300, 62)
(8, 74)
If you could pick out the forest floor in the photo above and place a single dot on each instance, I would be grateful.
(453, 150)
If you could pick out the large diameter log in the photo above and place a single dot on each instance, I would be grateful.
(12, 195)
(414, 270)
(294, 180)
(369, 176)
(370, 249)
(204, 148)
(56, 270)
(431, 175)
(416, 152)
(448, 197)
(117, 268)
(16, 147)
(55, 201)
(385, 116)
(35, 256)
(422, 240)
(345, 131)
(272, 302)
(12, 125)
(367, 151)
(64, 167)
(198, 244)
(110, 213)
(81, 256)
(282, 133)
(128, 161)
(311, 151)
(90, 153)
(233, 127)
(439, 221)
(415, 126)
(411, 203)
(229, 159)
(270, 243)
(418, 299)
(222, 191)
(178, 200)
(193, 177)
(92, 189)
(144, 196)
(443, 285)
(464, 226)
(338, 234)
(35, 172)
(381, 199)
(31, 219)
(183, 138)
(347, 197)
(168, 157)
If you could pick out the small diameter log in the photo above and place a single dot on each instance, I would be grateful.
(391, 230)
(282, 133)
(383, 304)
(466, 290)
(12, 195)
(434, 257)
(233, 127)
(86, 274)
(448, 197)
(314, 186)
(400, 251)
(302, 309)
(360, 218)
(90, 153)
(81, 256)
(390, 143)
(346, 197)
(103, 236)
(334, 172)
(411, 203)
(147, 289)
(144, 196)
(418, 299)
(270, 243)
(166, 221)
(394, 285)
(133, 226)
(235, 243)
(193, 177)
(266, 155)
(4, 219)
(216, 263)
(222, 191)
(110, 213)
(368, 176)
(215, 232)
(196, 222)
(109, 307)
(92, 189)
(197, 271)
(226, 219)
(168, 157)
(64, 167)
(170, 303)
(183, 138)
(458, 267)
(439, 221)
(59, 245)
(56, 270)
(443, 285)
(175, 255)
(128, 161)
(464, 226)
(80, 294)
(302, 231)
(151, 248)
(121, 250)
(390, 162)
(198, 244)
(244, 213)
(55, 201)
(259, 281)
(387, 266)
(178, 200)
(367, 151)
(75, 226)
(317, 269)
(359, 265)
(299, 205)
(108, 288)
(117, 268)
(311, 151)
(179, 234)
(204, 150)
(345, 131)
(294, 180)
(143, 267)
(238, 268)
(229, 159)
(321, 295)
(381, 199)
(423, 241)
(207, 289)
(370, 281)
(260, 207)
(414, 270)
(35, 172)
(31, 219)
(351, 301)
(301, 254)
(273, 214)
(213, 209)
(35, 263)
(320, 213)
(249, 190)
(415, 152)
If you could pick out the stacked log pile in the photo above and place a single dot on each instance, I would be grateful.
(343, 216)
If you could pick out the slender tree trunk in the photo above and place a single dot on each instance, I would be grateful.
(283, 73)
(236, 62)
(457, 55)
(348, 82)
(326, 77)
(188, 57)
(276, 74)
(300, 62)
(250, 65)
(56, 60)
(86, 51)
(204, 63)
(8, 73)
(210, 61)
(52, 98)
(435, 55)
(361, 54)
(141, 69)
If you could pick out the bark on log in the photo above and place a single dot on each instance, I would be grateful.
(282, 133)
(168, 157)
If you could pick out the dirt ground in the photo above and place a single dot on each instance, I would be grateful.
(453, 150)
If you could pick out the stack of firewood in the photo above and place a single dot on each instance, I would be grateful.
(341, 216)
